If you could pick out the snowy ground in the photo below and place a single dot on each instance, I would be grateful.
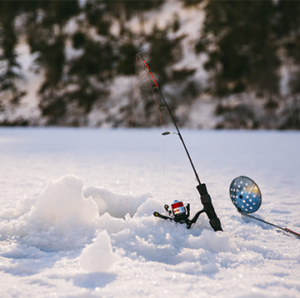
(76, 214)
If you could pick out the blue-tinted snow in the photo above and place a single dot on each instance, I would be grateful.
(76, 214)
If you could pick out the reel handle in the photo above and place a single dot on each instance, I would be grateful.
(156, 214)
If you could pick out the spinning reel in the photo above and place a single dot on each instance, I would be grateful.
(179, 214)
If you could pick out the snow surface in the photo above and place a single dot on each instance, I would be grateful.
(76, 214)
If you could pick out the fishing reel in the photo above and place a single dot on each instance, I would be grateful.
(179, 214)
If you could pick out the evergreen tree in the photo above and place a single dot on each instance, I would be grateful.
(177, 84)
(191, 3)
(78, 66)
(288, 30)
(90, 72)
(127, 55)
(10, 69)
(46, 37)
(240, 40)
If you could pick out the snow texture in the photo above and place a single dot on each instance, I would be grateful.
(98, 256)
(76, 214)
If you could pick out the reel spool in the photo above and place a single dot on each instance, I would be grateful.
(245, 194)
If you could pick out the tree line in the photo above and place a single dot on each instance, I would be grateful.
(247, 43)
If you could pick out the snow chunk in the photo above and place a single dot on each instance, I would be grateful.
(61, 219)
(62, 204)
(148, 207)
(218, 241)
(117, 205)
(111, 224)
(98, 256)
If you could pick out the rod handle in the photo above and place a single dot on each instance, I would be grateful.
(208, 208)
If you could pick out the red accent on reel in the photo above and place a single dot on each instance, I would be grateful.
(177, 205)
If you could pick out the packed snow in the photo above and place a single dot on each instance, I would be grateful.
(77, 205)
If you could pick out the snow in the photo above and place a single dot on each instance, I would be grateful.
(76, 214)
(98, 256)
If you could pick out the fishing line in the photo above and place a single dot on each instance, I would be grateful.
(160, 120)
(152, 89)
(132, 122)
(130, 150)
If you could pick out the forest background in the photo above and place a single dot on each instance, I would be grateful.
(220, 64)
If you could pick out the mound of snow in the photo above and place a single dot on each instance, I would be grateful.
(98, 256)
(66, 215)
(111, 224)
(61, 218)
(117, 205)
(62, 205)
(148, 207)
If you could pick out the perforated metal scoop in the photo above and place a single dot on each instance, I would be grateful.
(245, 194)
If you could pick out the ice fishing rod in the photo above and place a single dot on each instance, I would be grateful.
(204, 196)
(246, 197)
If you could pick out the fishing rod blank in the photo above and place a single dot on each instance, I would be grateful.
(246, 197)
(205, 197)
